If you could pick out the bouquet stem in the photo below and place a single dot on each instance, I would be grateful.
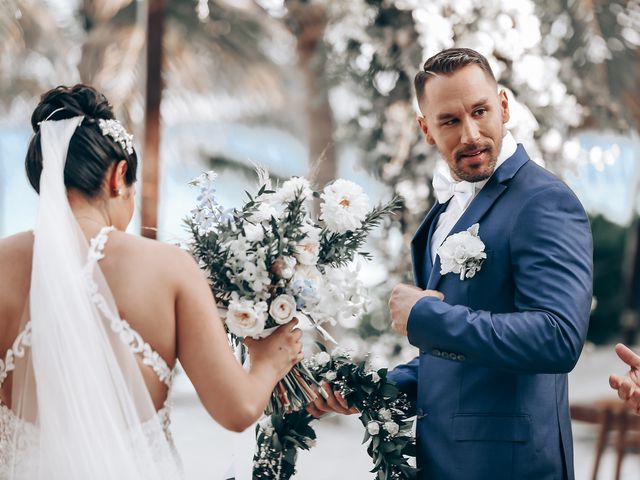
(293, 393)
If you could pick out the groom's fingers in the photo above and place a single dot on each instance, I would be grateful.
(332, 403)
(343, 402)
(313, 411)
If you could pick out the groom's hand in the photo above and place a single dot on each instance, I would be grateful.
(328, 402)
(403, 298)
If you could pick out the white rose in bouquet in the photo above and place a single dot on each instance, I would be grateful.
(283, 308)
(253, 233)
(246, 318)
(322, 358)
(263, 213)
(287, 193)
(305, 275)
(385, 414)
(345, 206)
(392, 428)
(284, 267)
(373, 428)
(308, 249)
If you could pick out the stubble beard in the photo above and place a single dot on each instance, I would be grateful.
(476, 175)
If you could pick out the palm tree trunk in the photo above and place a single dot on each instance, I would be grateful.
(153, 92)
(307, 21)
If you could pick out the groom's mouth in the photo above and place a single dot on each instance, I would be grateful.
(473, 157)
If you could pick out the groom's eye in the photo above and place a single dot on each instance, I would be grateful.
(480, 112)
(450, 122)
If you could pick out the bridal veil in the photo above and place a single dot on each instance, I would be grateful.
(83, 410)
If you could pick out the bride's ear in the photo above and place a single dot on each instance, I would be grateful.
(117, 178)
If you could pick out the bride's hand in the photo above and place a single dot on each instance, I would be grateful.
(279, 352)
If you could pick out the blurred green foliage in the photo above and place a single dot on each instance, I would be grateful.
(609, 243)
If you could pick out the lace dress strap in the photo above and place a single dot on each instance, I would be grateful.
(125, 332)
(17, 350)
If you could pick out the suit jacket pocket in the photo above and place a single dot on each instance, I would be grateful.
(469, 427)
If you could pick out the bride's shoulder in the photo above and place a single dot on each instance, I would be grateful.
(16, 252)
(153, 252)
(16, 247)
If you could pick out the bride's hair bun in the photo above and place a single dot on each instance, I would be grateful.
(71, 102)
(90, 152)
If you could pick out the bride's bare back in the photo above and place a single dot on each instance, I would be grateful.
(163, 295)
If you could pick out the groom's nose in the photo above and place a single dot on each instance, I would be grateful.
(470, 132)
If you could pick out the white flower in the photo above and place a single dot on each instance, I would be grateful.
(308, 249)
(322, 358)
(246, 319)
(462, 253)
(283, 309)
(263, 213)
(392, 428)
(204, 179)
(253, 233)
(373, 428)
(256, 275)
(292, 187)
(330, 375)
(284, 267)
(307, 274)
(344, 206)
(266, 426)
(375, 378)
(385, 414)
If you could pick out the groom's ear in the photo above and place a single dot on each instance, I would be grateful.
(504, 105)
(422, 122)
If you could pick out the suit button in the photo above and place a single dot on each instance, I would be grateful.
(453, 356)
(461, 358)
(436, 353)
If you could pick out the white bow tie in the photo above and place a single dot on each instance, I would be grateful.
(445, 188)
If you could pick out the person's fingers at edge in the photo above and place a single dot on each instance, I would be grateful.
(628, 356)
(615, 381)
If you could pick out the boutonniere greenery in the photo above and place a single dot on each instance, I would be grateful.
(462, 253)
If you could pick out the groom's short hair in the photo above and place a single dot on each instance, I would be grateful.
(447, 62)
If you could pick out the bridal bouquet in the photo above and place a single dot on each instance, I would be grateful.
(384, 413)
(271, 261)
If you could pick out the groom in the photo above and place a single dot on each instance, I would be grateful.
(490, 383)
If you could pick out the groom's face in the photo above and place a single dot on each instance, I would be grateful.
(464, 117)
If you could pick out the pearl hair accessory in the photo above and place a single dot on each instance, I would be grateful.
(114, 129)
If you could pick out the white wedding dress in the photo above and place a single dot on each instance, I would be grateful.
(80, 406)
(15, 460)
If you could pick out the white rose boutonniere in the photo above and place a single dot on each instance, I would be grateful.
(462, 253)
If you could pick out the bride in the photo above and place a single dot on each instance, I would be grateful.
(92, 320)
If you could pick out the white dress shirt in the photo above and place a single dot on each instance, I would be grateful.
(456, 209)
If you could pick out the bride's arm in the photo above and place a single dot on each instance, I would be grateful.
(234, 397)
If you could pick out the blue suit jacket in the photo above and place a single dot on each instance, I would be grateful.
(490, 384)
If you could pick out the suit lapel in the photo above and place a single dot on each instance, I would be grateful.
(481, 204)
(421, 239)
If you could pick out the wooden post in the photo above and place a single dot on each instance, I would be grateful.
(308, 21)
(153, 95)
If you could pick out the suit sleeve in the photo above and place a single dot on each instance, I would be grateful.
(552, 261)
(405, 377)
